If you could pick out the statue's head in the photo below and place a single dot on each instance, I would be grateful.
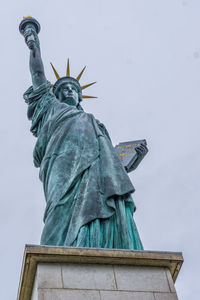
(68, 89)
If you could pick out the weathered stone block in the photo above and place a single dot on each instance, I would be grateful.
(61, 294)
(49, 276)
(170, 281)
(88, 276)
(37, 293)
(119, 295)
(165, 296)
(144, 279)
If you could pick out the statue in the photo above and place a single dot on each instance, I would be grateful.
(87, 190)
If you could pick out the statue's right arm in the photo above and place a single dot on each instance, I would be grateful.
(35, 62)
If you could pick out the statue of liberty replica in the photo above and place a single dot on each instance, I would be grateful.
(87, 189)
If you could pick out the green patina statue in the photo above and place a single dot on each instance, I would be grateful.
(87, 190)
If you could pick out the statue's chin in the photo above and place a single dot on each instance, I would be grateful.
(70, 101)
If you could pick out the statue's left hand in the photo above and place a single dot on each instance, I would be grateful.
(141, 152)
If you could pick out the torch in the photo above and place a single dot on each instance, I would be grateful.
(29, 25)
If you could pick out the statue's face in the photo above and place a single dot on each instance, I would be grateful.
(69, 94)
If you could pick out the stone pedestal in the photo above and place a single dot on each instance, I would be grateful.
(59, 273)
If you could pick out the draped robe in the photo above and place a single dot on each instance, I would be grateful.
(87, 190)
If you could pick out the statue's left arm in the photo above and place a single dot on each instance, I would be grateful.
(141, 150)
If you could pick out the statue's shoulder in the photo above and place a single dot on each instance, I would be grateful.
(33, 94)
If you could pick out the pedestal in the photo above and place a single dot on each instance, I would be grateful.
(59, 273)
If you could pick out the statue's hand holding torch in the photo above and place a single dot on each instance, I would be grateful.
(29, 28)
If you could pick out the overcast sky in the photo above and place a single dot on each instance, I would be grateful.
(145, 56)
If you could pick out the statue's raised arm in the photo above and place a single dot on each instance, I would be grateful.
(30, 28)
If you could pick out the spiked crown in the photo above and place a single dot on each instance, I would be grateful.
(68, 79)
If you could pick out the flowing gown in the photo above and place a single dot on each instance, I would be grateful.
(87, 190)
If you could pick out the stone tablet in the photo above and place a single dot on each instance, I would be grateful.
(127, 153)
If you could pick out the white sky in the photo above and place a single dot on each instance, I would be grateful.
(145, 55)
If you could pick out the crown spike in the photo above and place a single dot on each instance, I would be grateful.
(87, 97)
(87, 85)
(55, 72)
(68, 69)
(81, 73)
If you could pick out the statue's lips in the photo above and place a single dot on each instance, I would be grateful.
(69, 95)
